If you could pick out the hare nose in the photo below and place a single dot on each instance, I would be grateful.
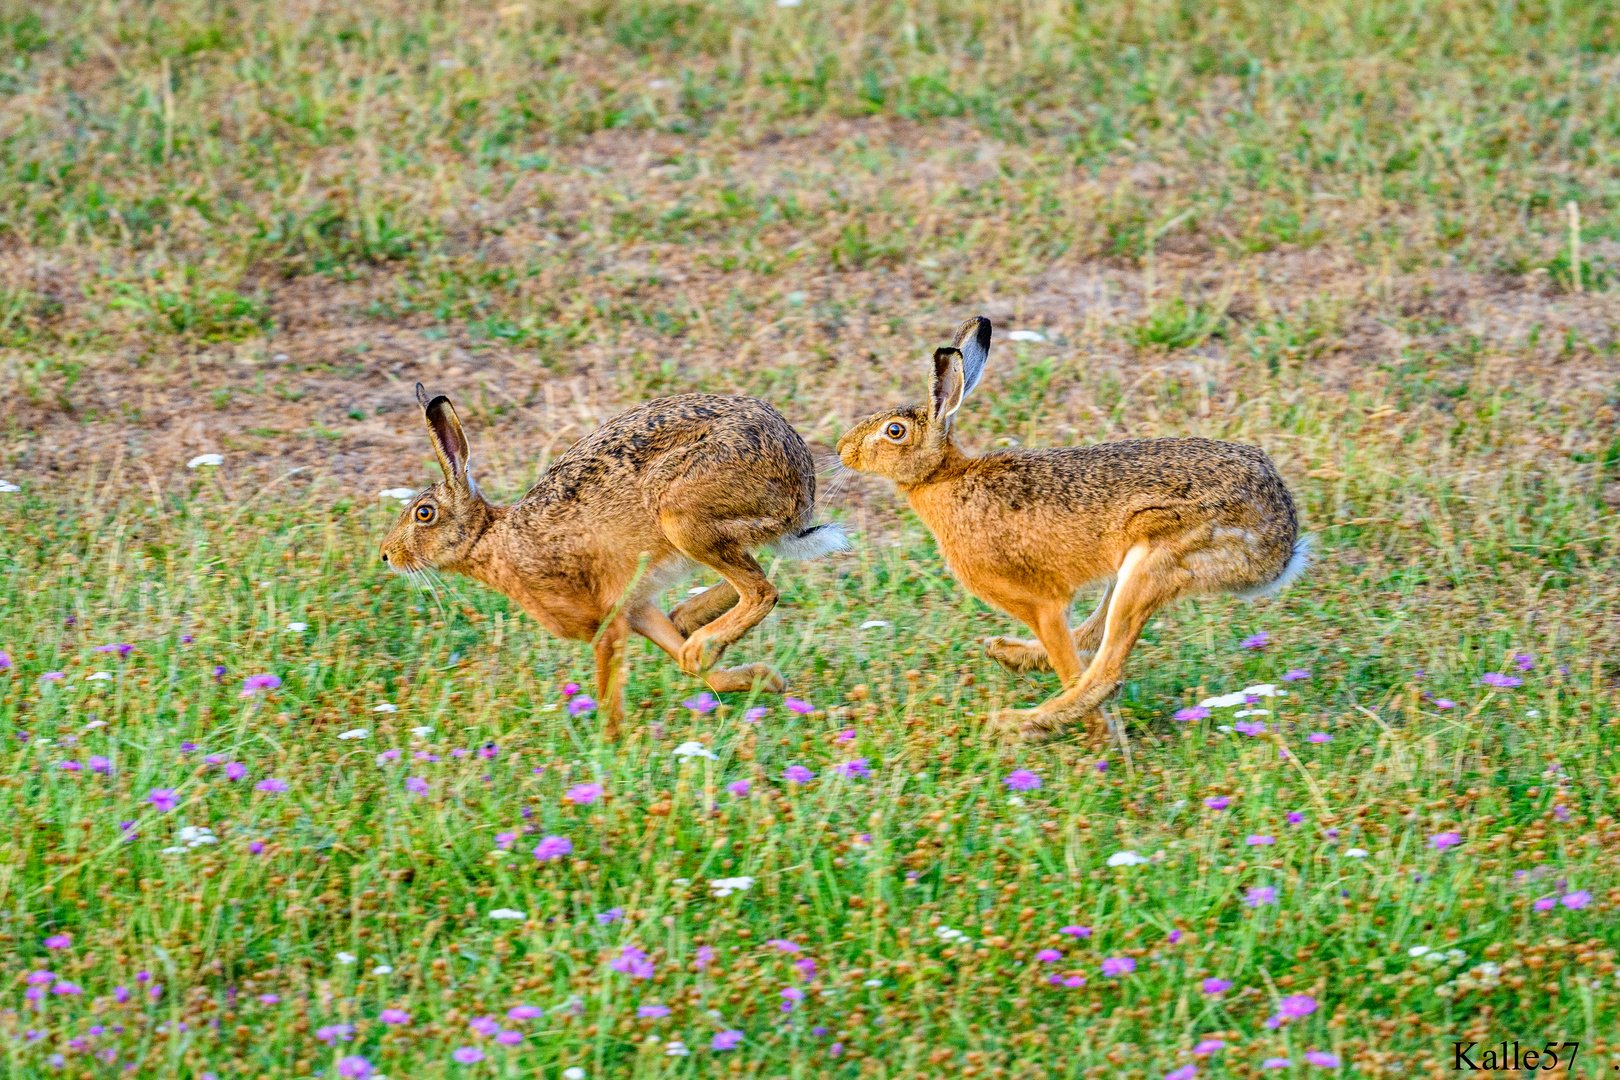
(385, 556)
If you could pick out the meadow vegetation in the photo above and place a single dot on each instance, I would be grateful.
(275, 814)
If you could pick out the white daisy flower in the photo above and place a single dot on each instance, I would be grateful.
(1126, 858)
(422, 732)
(1356, 853)
(98, 676)
(1025, 335)
(509, 914)
(873, 624)
(404, 495)
(727, 885)
(205, 459)
(382, 969)
(385, 707)
(8, 487)
(346, 958)
(357, 733)
(694, 749)
(297, 627)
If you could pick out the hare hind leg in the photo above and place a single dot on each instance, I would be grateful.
(1017, 654)
(704, 608)
(1148, 579)
(658, 628)
(722, 546)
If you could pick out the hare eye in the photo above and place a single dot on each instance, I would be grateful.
(425, 514)
(895, 431)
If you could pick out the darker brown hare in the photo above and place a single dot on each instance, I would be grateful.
(696, 479)
(1023, 530)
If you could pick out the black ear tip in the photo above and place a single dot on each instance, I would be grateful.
(984, 332)
(421, 395)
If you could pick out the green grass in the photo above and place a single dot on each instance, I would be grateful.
(1335, 230)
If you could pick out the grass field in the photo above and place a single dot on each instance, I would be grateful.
(275, 814)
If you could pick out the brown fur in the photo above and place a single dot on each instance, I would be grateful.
(696, 478)
(1023, 530)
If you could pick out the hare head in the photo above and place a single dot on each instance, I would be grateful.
(440, 526)
(908, 444)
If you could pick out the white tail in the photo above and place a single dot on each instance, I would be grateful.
(812, 543)
(1297, 563)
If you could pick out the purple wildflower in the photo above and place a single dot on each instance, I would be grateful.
(1218, 802)
(1076, 931)
(703, 704)
(1523, 661)
(795, 705)
(1441, 841)
(1022, 780)
(652, 1012)
(570, 689)
(484, 1025)
(1444, 703)
(1297, 674)
(1258, 641)
(577, 706)
(162, 798)
(525, 1012)
(1116, 966)
(1546, 903)
(1500, 681)
(1048, 956)
(583, 794)
(416, 785)
(1261, 841)
(1295, 817)
(235, 770)
(798, 774)
(852, 770)
(551, 848)
(1295, 1006)
(1186, 1072)
(754, 715)
(272, 785)
(738, 787)
(254, 683)
(394, 1016)
(1275, 1063)
(633, 962)
(726, 1040)
(1195, 712)
(1261, 895)
(704, 957)
(467, 1055)
(354, 1067)
(1322, 1059)
(783, 945)
(1209, 1046)
(1319, 737)
(610, 916)
(1577, 900)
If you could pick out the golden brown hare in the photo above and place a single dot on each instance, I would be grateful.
(679, 481)
(1022, 530)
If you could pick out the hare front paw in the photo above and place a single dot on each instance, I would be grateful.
(1017, 655)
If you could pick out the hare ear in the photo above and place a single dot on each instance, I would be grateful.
(973, 339)
(948, 384)
(449, 441)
